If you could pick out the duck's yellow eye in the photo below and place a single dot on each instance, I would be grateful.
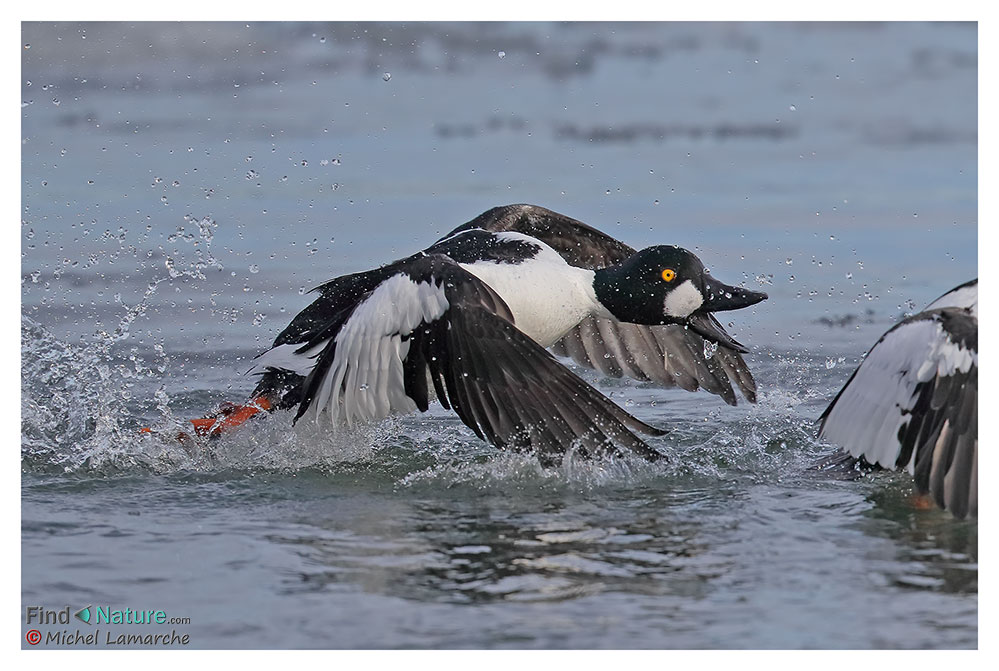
(669, 274)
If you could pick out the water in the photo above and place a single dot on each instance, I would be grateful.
(183, 185)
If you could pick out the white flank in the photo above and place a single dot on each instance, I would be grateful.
(683, 300)
(365, 380)
(547, 296)
(866, 418)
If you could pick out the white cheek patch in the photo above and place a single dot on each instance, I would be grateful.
(683, 300)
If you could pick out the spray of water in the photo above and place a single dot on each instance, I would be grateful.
(77, 403)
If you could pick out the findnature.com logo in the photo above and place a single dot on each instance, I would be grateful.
(98, 615)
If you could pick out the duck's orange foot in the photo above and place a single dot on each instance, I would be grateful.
(229, 416)
(922, 502)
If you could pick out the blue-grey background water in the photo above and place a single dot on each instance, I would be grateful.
(184, 185)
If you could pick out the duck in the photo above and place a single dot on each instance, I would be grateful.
(477, 321)
(912, 403)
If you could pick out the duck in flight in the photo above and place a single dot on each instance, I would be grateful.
(912, 403)
(469, 320)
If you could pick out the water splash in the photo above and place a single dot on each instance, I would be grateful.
(77, 401)
(520, 472)
(73, 399)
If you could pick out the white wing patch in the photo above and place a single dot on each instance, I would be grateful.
(283, 357)
(866, 418)
(365, 380)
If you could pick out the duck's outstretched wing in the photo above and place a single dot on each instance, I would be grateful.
(913, 404)
(670, 356)
(426, 321)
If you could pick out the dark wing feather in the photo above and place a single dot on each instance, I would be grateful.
(511, 391)
(669, 356)
(944, 431)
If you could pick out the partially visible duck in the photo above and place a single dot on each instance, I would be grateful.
(912, 403)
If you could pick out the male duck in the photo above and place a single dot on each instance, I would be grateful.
(470, 318)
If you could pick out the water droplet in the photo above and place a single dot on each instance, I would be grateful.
(793, 108)
(788, 261)
(709, 349)
(501, 54)
(387, 76)
(254, 268)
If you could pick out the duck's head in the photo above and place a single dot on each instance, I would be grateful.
(666, 284)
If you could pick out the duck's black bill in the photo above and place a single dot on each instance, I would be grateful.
(719, 296)
(706, 326)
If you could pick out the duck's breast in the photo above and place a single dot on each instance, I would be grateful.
(547, 296)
